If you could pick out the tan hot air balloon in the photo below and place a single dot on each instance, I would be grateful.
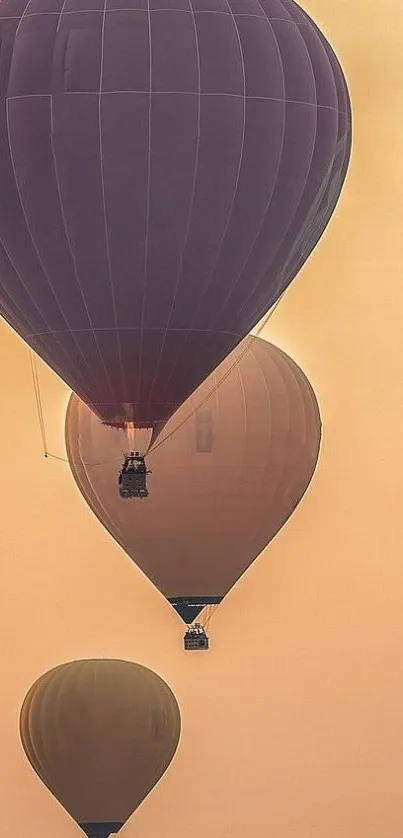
(233, 464)
(100, 734)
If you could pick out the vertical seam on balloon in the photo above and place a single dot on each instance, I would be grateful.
(215, 393)
(295, 8)
(30, 698)
(205, 400)
(284, 470)
(336, 66)
(146, 238)
(280, 480)
(8, 317)
(275, 179)
(14, 304)
(300, 386)
(322, 47)
(44, 762)
(257, 315)
(62, 210)
(38, 309)
(231, 209)
(108, 255)
(261, 278)
(7, 306)
(65, 224)
(46, 355)
(265, 381)
(112, 528)
(97, 507)
(244, 404)
(270, 412)
(27, 224)
(277, 173)
(19, 18)
(316, 106)
(41, 753)
(267, 208)
(64, 672)
(283, 363)
(279, 483)
(77, 460)
(192, 197)
(298, 263)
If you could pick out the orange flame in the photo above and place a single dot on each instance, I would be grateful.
(130, 432)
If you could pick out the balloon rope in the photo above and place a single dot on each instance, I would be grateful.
(210, 610)
(203, 621)
(213, 609)
(216, 386)
(41, 419)
(38, 399)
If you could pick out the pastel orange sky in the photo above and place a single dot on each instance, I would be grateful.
(293, 722)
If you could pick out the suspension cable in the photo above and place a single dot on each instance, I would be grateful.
(224, 377)
(38, 400)
(41, 418)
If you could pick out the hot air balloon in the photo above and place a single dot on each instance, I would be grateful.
(100, 734)
(230, 468)
(166, 169)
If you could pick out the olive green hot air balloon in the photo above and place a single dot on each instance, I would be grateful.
(100, 734)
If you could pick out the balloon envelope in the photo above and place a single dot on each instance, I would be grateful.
(100, 734)
(223, 482)
(166, 169)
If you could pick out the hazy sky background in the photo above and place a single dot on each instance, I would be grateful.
(292, 723)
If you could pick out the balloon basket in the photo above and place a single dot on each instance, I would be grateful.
(195, 639)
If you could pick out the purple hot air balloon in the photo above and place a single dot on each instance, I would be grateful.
(166, 167)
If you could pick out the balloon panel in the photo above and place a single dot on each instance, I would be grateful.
(154, 208)
(100, 734)
(232, 465)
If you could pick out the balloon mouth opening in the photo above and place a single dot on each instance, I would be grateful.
(128, 426)
(189, 608)
(101, 829)
(139, 435)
